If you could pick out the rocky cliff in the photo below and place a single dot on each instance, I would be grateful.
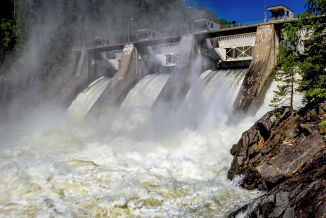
(285, 154)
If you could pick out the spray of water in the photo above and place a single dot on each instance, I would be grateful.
(132, 160)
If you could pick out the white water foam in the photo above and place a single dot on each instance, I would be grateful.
(157, 166)
(86, 99)
(145, 92)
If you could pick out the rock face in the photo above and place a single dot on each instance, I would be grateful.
(285, 154)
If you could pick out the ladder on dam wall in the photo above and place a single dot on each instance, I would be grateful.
(81, 62)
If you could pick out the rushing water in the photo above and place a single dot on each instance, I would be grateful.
(133, 161)
(85, 100)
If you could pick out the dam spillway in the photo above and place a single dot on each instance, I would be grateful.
(86, 99)
(136, 156)
(133, 160)
(144, 94)
(148, 131)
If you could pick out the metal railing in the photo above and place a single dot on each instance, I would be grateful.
(246, 23)
(284, 17)
(179, 33)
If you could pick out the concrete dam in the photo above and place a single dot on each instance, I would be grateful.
(183, 60)
(147, 129)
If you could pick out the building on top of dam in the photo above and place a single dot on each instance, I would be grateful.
(100, 41)
(205, 25)
(280, 12)
(147, 34)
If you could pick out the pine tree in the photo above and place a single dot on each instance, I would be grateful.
(304, 54)
(288, 67)
(286, 74)
(313, 64)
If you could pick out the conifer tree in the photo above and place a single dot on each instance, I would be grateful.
(286, 75)
(304, 54)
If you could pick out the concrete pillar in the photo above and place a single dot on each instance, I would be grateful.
(128, 74)
(260, 69)
(178, 84)
(79, 81)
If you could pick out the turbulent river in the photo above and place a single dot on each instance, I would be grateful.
(132, 161)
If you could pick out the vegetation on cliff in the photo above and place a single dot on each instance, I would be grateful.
(284, 152)
(304, 53)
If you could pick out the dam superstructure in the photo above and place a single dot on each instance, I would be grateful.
(240, 46)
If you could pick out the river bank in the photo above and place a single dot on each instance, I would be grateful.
(284, 154)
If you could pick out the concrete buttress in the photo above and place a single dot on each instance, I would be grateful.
(178, 84)
(260, 69)
(78, 82)
(130, 71)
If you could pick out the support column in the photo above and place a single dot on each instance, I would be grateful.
(77, 83)
(260, 69)
(126, 77)
(178, 84)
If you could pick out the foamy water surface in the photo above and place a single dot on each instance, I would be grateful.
(130, 162)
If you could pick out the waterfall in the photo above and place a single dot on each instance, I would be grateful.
(144, 94)
(86, 99)
(133, 160)
(223, 80)
(213, 97)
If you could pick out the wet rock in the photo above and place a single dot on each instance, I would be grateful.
(285, 154)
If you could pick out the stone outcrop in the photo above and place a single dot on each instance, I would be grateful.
(260, 69)
(285, 154)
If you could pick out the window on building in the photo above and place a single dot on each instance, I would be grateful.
(239, 53)
(171, 59)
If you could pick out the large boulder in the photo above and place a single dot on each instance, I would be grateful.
(285, 154)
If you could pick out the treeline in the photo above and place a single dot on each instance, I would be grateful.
(302, 59)
(8, 29)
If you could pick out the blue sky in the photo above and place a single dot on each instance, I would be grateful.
(245, 10)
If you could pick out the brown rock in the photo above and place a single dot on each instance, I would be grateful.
(289, 160)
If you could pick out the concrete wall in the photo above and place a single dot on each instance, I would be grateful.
(79, 81)
(130, 71)
(260, 69)
(178, 84)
